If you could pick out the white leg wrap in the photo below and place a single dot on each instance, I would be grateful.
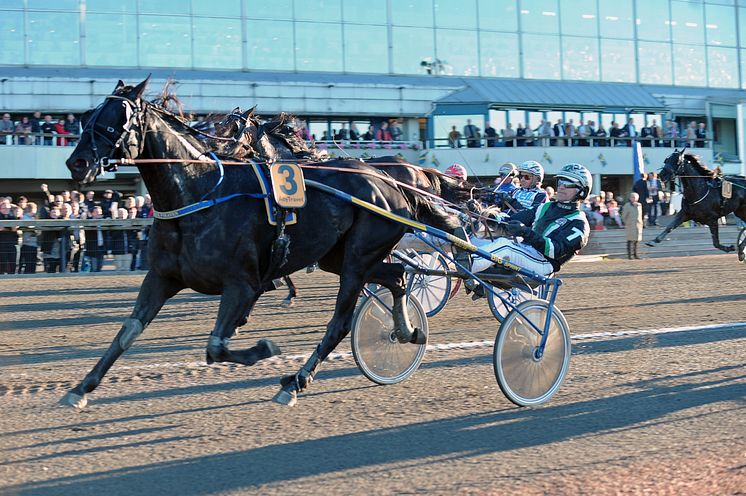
(132, 329)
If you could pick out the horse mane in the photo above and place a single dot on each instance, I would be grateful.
(696, 162)
(168, 100)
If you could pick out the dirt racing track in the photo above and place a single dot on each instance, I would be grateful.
(654, 403)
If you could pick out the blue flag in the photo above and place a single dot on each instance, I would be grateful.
(637, 162)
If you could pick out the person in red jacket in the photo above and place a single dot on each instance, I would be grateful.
(383, 133)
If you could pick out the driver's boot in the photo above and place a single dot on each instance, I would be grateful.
(462, 257)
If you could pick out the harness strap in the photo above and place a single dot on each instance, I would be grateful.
(201, 205)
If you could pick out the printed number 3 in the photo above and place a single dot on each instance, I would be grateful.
(290, 186)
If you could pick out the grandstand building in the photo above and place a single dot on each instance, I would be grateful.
(430, 64)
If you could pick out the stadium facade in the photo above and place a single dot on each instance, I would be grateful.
(433, 64)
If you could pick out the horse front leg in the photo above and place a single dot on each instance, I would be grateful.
(391, 276)
(349, 289)
(679, 219)
(236, 304)
(154, 292)
(715, 232)
(289, 301)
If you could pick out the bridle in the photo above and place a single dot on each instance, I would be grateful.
(109, 134)
(679, 170)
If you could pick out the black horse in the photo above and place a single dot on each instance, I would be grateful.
(228, 249)
(703, 200)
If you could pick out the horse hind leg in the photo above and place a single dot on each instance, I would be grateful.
(714, 231)
(391, 276)
(235, 305)
(154, 292)
(289, 301)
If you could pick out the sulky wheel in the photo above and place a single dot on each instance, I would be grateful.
(513, 295)
(431, 291)
(524, 376)
(378, 354)
(741, 245)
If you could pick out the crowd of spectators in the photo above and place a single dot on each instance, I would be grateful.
(38, 130)
(585, 133)
(81, 250)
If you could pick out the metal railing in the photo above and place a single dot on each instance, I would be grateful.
(575, 141)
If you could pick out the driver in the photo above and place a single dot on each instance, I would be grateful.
(530, 193)
(504, 180)
(552, 232)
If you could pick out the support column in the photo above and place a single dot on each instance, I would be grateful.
(741, 139)
(596, 184)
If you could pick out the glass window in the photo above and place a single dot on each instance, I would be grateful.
(56, 5)
(163, 7)
(498, 15)
(580, 58)
(689, 65)
(461, 14)
(316, 10)
(720, 26)
(653, 21)
(615, 19)
(655, 62)
(165, 41)
(11, 4)
(364, 11)
(53, 38)
(539, 16)
(516, 117)
(743, 70)
(121, 6)
(499, 54)
(11, 38)
(618, 61)
(366, 49)
(217, 43)
(412, 46)
(498, 120)
(412, 13)
(458, 49)
(318, 47)
(579, 17)
(722, 67)
(270, 45)
(443, 124)
(541, 57)
(211, 8)
(687, 22)
(111, 40)
(281, 9)
(534, 120)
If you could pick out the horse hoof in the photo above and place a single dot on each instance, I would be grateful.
(730, 248)
(287, 303)
(74, 400)
(418, 337)
(649, 243)
(285, 398)
(271, 348)
(742, 255)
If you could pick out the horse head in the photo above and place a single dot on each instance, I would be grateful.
(673, 165)
(110, 131)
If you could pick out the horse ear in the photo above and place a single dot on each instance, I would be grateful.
(140, 88)
(249, 112)
(236, 110)
(120, 84)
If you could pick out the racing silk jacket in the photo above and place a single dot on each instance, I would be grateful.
(561, 230)
(527, 198)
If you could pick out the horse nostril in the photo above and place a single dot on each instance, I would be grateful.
(80, 163)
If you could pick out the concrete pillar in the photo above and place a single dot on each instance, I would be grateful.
(740, 138)
(596, 184)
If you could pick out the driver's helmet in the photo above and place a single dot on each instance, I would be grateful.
(579, 176)
(458, 171)
(508, 169)
(532, 167)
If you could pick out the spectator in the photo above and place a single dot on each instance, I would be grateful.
(133, 245)
(570, 132)
(36, 121)
(613, 208)
(670, 134)
(632, 218)
(646, 136)
(454, 138)
(354, 133)
(48, 129)
(657, 133)
(701, 134)
(601, 135)
(509, 134)
(520, 134)
(7, 127)
(30, 243)
(544, 131)
(472, 136)
(120, 242)
(110, 201)
(88, 203)
(559, 133)
(665, 203)
(691, 134)
(78, 238)
(551, 193)
(641, 188)
(370, 134)
(72, 126)
(599, 212)
(23, 132)
(145, 212)
(51, 243)
(59, 129)
(615, 133)
(630, 131)
(583, 133)
(8, 239)
(654, 189)
(94, 245)
(383, 133)
(396, 132)
(491, 134)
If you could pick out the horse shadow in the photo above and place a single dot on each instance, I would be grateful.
(459, 437)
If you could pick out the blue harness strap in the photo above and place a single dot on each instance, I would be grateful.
(201, 205)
